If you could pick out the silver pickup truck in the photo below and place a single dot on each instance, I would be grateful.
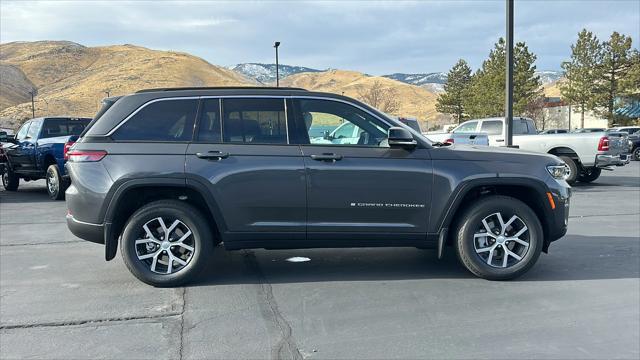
(586, 154)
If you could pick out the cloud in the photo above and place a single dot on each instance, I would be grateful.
(373, 37)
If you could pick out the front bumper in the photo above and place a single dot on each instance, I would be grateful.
(86, 231)
(603, 160)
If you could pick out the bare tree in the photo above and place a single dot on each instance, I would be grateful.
(380, 97)
(535, 109)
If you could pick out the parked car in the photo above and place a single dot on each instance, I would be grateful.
(411, 122)
(39, 151)
(5, 137)
(586, 154)
(628, 129)
(634, 145)
(466, 135)
(169, 174)
(588, 130)
(554, 131)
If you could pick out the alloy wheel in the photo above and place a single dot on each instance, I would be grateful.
(501, 244)
(165, 249)
(52, 182)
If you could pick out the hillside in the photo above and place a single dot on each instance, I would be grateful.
(72, 79)
(266, 73)
(414, 101)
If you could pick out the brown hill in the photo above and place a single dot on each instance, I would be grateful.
(414, 101)
(16, 87)
(72, 79)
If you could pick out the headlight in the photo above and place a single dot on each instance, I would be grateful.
(559, 172)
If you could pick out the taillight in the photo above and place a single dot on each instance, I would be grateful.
(67, 146)
(86, 155)
(450, 141)
(603, 144)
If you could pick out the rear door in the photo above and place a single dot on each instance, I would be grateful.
(241, 153)
(359, 188)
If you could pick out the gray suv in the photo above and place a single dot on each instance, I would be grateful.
(171, 174)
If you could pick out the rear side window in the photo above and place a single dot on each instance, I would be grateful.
(54, 127)
(258, 121)
(165, 120)
(491, 127)
(209, 127)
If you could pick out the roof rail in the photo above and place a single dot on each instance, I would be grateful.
(221, 88)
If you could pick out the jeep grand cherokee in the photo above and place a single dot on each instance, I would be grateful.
(170, 174)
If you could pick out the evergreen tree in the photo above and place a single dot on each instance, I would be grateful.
(452, 100)
(615, 65)
(582, 72)
(486, 96)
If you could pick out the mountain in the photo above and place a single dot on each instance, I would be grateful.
(414, 101)
(419, 79)
(71, 79)
(549, 76)
(266, 73)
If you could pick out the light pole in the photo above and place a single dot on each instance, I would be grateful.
(33, 108)
(567, 65)
(107, 92)
(277, 73)
(508, 120)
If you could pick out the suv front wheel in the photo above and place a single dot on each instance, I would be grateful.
(498, 238)
(166, 243)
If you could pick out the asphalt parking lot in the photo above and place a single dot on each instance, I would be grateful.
(60, 299)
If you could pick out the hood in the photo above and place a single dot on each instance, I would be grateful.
(490, 153)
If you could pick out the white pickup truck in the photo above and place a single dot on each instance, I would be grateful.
(585, 154)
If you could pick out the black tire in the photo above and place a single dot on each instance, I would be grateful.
(589, 174)
(470, 223)
(636, 154)
(56, 185)
(201, 240)
(574, 169)
(10, 180)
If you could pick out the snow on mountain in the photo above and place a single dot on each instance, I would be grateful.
(266, 73)
(549, 76)
(419, 79)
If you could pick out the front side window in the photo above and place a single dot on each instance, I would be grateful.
(165, 120)
(34, 129)
(520, 127)
(335, 123)
(491, 127)
(467, 127)
(257, 121)
(22, 133)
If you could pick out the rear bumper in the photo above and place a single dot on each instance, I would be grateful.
(603, 160)
(86, 231)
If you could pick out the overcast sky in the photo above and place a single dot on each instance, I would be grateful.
(373, 37)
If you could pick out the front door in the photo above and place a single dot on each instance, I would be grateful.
(242, 153)
(357, 186)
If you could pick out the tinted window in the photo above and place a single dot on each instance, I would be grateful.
(491, 127)
(520, 126)
(63, 127)
(467, 127)
(22, 133)
(166, 120)
(351, 126)
(209, 126)
(259, 121)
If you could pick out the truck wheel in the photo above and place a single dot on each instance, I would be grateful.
(56, 186)
(166, 243)
(573, 167)
(498, 238)
(589, 174)
(10, 180)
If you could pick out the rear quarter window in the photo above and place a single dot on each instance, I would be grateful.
(165, 120)
(63, 127)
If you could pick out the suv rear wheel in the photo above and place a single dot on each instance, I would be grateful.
(166, 243)
(498, 238)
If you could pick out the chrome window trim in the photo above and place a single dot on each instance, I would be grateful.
(283, 97)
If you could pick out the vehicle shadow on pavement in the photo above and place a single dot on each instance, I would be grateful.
(572, 258)
(29, 194)
(618, 181)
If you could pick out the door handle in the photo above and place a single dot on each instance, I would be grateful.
(326, 157)
(499, 140)
(213, 155)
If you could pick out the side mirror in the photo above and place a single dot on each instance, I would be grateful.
(401, 137)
